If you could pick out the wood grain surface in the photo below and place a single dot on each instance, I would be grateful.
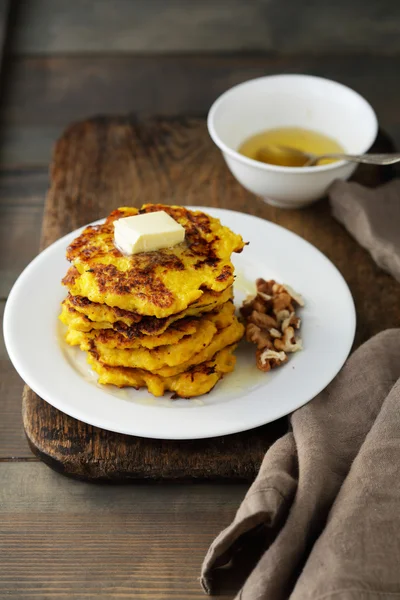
(13, 442)
(104, 163)
(42, 95)
(21, 229)
(22, 196)
(146, 26)
(21, 209)
(63, 539)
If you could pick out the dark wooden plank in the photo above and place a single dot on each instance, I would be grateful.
(23, 187)
(4, 11)
(42, 95)
(21, 208)
(20, 227)
(13, 444)
(22, 195)
(48, 27)
(89, 453)
(175, 160)
(65, 539)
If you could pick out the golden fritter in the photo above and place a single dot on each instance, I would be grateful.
(109, 338)
(84, 315)
(225, 337)
(159, 283)
(101, 312)
(155, 358)
(195, 382)
(171, 360)
(76, 320)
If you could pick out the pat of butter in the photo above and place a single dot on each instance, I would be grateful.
(147, 232)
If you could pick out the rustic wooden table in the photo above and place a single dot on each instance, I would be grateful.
(60, 538)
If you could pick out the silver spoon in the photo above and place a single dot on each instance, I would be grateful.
(312, 159)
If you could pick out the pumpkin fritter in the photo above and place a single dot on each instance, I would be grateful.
(155, 358)
(195, 382)
(225, 337)
(171, 360)
(84, 315)
(109, 338)
(159, 283)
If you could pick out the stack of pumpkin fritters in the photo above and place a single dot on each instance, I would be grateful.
(164, 320)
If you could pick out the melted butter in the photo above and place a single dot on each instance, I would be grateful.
(244, 286)
(245, 377)
(256, 146)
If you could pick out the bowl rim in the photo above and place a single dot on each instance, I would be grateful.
(278, 168)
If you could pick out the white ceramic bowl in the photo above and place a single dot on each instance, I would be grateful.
(291, 101)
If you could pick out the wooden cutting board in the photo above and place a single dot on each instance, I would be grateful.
(104, 163)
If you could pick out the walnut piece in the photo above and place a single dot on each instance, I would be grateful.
(271, 320)
(265, 287)
(263, 296)
(258, 336)
(262, 320)
(282, 315)
(288, 342)
(247, 307)
(259, 305)
(291, 320)
(275, 333)
(282, 301)
(272, 355)
(269, 359)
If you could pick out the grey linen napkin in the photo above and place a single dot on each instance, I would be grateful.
(327, 497)
(372, 216)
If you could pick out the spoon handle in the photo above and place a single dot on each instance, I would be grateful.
(369, 159)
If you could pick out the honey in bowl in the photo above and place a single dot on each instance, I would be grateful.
(268, 146)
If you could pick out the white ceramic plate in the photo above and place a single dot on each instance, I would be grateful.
(245, 399)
